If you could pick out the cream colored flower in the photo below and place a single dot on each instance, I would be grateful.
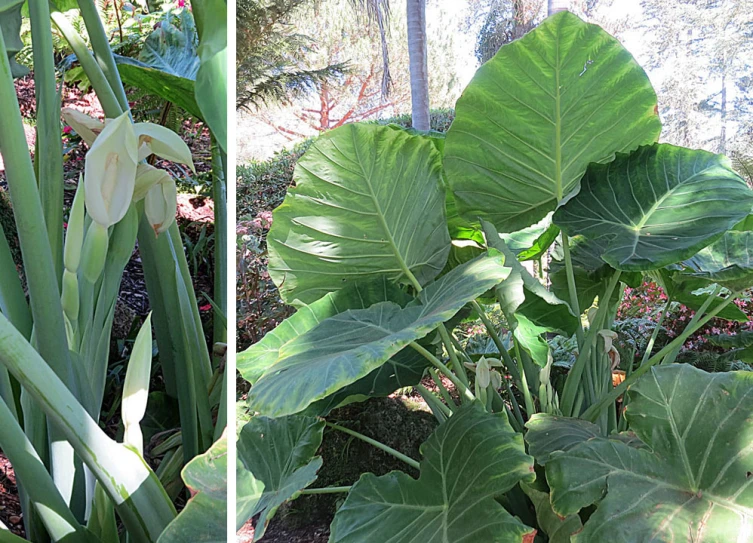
(163, 142)
(110, 171)
(160, 204)
(85, 126)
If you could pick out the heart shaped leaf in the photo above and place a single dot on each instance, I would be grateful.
(204, 519)
(278, 453)
(347, 347)
(368, 201)
(534, 116)
(470, 459)
(728, 262)
(656, 206)
(692, 483)
(255, 360)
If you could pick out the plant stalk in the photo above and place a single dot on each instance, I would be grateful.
(444, 369)
(49, 146)
(389, 450)
(593, 412)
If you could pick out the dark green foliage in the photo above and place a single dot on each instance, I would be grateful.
(271, 57)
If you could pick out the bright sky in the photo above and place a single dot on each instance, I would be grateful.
(467, 64)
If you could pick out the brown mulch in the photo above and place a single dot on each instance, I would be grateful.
(278, 533)
(10, 507)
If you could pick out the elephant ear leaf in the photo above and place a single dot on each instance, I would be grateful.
(656, 206)
(691, 483)
(558, 529)
(347, 347)
(470, 459)
(534, 116)
(728, 262)
(204, 518)
(167, 64)
(276, 460)
(368, 201)
(254, 361)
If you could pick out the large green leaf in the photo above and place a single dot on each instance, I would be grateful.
(557, 528)
(255, 360)
(470, 459)
(349, 346)
(211, 79)
(204, 519)
(728, 261)
(167, 64)
(534, 116)
(10, 26)
(368, 201)
(523, 294)
(532, 242)
(404, 369)
(693, 483)
(656, 206)
(278, 453)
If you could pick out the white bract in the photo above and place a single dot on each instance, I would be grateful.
(115, 174)
(163, 142)
(136, 387)
(85, 126)
(110, 172)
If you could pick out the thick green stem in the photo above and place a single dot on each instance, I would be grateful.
(326, 490)
(49, 154)
(38, 484)
(13, 302)
(445, 370)
(99, 82)
(442, 390)
(592, 412)
(509, 363)
(571, 288)
(440, 410)
(219, 196)
(527, 398)
(134, 489)
(670, 358)
(456, 364)
(44, 294)
(389, 450)
(574, 378)
(102, 50)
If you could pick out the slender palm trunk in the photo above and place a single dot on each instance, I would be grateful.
(419, 69)
(553, 6)
(723, 134)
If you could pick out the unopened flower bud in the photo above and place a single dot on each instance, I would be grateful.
(94, 254)
(74, 234)
(136, 387)
(160, 205)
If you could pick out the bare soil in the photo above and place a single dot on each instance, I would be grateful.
(10, 507)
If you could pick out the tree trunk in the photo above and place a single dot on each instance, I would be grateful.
(723, 133)
(553, 6)
(419, 69)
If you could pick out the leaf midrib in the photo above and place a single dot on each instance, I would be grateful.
(380, 214)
